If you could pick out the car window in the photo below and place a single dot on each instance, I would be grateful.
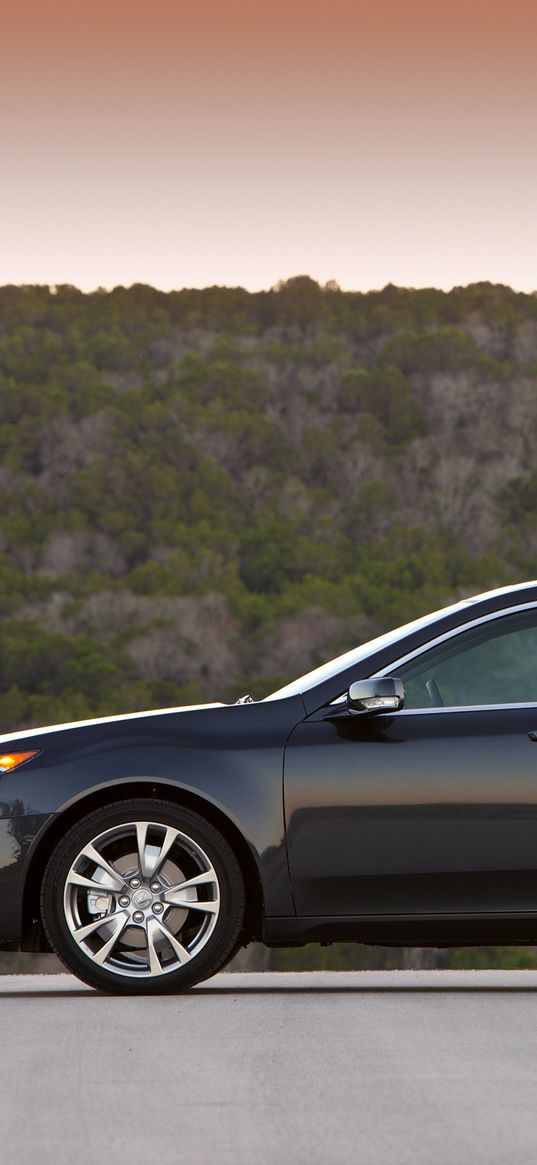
(493, 663)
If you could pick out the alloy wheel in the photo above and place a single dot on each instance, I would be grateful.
(141, 899)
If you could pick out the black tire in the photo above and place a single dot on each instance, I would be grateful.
(190, 939)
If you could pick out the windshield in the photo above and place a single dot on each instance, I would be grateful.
(357, 654)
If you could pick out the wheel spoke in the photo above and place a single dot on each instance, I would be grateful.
(173, 894)
(115, 881)
(196, 904)
(75, 879)
(83, 932)
(152, 931)
(154, 928)
(165, 848)
(150, 862)
(141, 836)
(119, 922)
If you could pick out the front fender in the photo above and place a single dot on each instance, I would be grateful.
(236, 769)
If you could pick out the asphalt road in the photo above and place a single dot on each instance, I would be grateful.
(427, 1067)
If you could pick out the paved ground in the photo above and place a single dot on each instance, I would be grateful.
(428, 1068)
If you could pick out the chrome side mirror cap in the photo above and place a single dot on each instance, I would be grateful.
(385, 694)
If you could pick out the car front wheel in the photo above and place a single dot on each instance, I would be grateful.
(143, 897)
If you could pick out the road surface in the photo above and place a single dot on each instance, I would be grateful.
(417, 1067)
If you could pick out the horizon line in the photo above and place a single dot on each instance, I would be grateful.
(331, 286)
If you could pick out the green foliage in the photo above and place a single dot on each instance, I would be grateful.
(386, 394)
(44, 662)
(443, 350)
(359, 957)
(479, 958)
(519, 498)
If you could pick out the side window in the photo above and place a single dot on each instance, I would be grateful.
(494, 663)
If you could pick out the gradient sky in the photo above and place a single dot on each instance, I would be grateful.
(191, 143)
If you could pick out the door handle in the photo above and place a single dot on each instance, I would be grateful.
(533, 736)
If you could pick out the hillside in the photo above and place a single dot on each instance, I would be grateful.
(205, 493)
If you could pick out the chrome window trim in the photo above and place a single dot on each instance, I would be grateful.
(458, 708)
(391, 668)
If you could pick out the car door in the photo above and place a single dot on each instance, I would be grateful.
(432, 809)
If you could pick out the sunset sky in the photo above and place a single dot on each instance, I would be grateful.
(193, 142)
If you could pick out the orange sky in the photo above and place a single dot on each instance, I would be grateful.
(191, 143)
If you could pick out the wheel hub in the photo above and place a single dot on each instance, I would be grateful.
(142, 899)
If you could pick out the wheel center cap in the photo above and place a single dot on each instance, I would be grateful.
(142, 899)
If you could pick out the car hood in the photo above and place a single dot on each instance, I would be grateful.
(27, 733)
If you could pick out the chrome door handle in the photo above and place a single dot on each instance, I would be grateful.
(533, 736)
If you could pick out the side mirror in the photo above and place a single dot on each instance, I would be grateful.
(385, 694)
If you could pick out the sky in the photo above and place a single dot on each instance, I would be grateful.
(187, 143)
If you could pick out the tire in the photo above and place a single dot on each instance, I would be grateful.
(143, 897)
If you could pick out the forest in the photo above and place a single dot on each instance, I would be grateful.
(205, 493)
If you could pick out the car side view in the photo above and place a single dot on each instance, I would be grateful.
(388, 796)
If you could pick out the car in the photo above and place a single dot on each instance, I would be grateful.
(389, 796)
